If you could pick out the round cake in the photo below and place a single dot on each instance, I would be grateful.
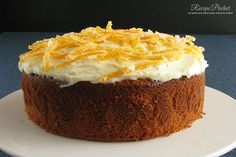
(108, 84)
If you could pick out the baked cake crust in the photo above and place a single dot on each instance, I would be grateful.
(124, 111)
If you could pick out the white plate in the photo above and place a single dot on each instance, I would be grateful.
(213, 135)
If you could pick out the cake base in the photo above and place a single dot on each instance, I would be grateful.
(129, 110)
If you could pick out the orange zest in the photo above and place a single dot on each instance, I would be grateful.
(117, 73)
(121, 45)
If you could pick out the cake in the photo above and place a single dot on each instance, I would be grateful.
(108, 84)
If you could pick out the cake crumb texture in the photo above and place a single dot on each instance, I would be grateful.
(129, 110)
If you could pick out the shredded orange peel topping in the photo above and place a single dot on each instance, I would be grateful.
(123, 45)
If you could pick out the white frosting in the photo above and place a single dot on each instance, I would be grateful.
(129, 55)
(92, 70)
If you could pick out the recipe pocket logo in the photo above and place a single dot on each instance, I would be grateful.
(210, 9)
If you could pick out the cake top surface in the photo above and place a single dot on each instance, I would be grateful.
(131, 50)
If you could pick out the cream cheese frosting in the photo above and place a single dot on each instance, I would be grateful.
(110, 55)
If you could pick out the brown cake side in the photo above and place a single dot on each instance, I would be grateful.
(124, 111)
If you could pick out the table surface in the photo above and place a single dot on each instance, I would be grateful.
(220, 54)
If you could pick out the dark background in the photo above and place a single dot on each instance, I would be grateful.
(64, 16)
